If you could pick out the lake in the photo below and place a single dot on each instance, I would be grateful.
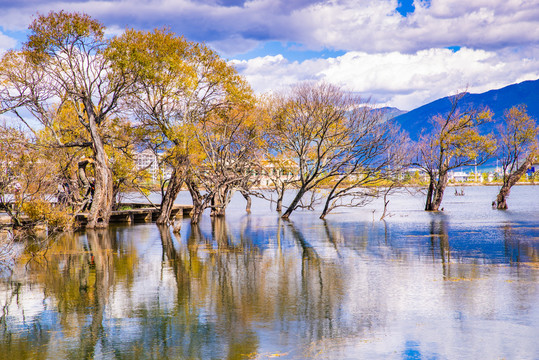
(459, 284)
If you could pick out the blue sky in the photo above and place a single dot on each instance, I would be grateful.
(399, 53)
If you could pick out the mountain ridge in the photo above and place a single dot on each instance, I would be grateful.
(497, 100)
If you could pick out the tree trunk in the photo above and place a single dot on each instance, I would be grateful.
(328, 201)
(84, 185)
(220, 200)
(248, 200)
(439, 191)
(294, 203)
(428, 203)
(509, 181)
(173, 189)
(196, 214)
(279, 207)
(101, 208)
(198, 201)
(280, 195)
(386, 202)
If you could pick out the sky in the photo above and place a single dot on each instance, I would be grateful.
(401, 53)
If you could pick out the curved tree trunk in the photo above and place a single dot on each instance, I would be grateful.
(173, 189)
(247, 198)
(198, 200)
(509, 181)
(294, 203)
(439, 191)
(101, 208)
(328, 202)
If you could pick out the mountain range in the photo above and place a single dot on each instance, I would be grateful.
(498, 101)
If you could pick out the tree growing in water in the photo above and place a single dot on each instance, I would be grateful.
(333, 141)
(517, 149)
(454, 142)
(65, 60)
(180, 87)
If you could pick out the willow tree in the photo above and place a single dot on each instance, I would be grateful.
(228, 143)
(453, 142)
(179, 85)
(331, 139)
(376, 153)
(65, 59)
(517, 149)
(275, 161)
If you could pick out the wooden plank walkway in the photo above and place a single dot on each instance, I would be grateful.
(139, 214)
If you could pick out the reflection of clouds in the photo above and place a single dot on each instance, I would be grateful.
(356, 290)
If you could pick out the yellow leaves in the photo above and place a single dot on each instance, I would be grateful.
(158, 58)
(62, 29)
(42, 210)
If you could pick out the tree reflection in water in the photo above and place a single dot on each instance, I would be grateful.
(258, 287)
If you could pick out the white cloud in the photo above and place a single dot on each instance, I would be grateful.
(276, 73)
(402, 80)
(6, 43)
(351, 25)
(395, 59)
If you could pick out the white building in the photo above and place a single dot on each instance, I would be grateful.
(147, 160)
(458, 176)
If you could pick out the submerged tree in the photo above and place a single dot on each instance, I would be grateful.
(376, 153)
(454, 142)
(180, 86)
(333, 141)
(225, 160)
(65, 59)
(517, 149)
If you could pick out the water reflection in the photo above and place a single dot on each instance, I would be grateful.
(257, 286)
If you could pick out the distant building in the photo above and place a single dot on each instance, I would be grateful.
(149, 161)
(282, 170)
(459, 176)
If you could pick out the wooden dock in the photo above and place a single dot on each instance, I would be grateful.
(133, 213)
(139, 213)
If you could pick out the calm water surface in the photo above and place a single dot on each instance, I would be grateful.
(461, 284)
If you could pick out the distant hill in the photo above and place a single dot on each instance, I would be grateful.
(497, 101)
(390, 112)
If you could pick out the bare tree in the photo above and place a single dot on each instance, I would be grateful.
(376, 153)
(333, 141)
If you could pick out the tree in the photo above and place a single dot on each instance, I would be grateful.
(28, 183)
(375, 154)
(228, 143)
(179, 86)
(274, 161)
(517, 149)
(332, 139)
(66, 58)
(453, 142)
